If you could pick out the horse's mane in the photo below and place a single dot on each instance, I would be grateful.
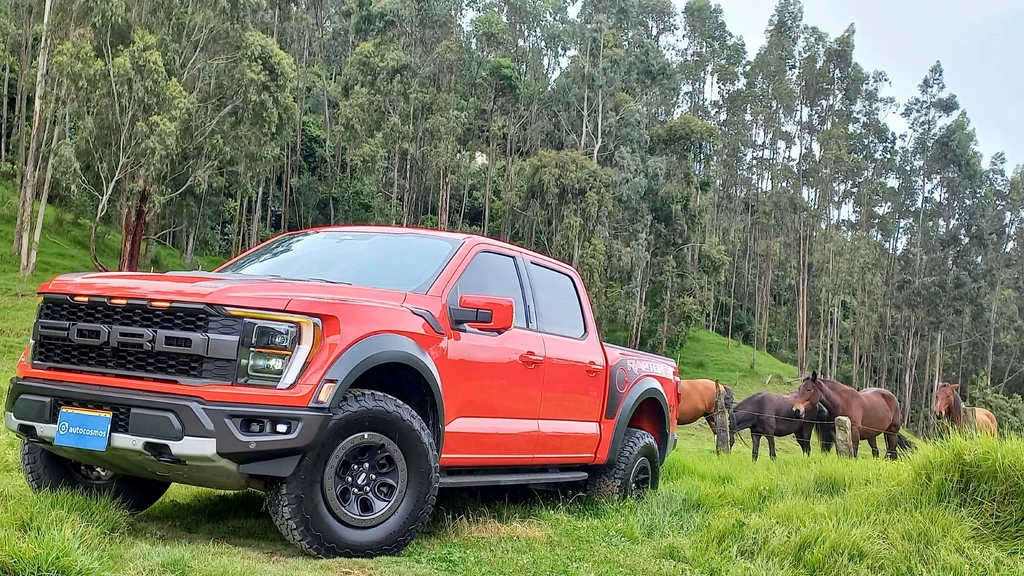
(958, 407)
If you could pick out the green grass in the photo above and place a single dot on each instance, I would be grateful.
(951, 508)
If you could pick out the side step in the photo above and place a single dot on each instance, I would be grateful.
(463, 480)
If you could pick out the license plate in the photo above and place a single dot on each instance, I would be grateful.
(83, 428)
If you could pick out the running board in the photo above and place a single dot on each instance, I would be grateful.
(463, 480)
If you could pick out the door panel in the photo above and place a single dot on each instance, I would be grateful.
(574, 380)
(567, 442)
(574, 375)
(495, 381)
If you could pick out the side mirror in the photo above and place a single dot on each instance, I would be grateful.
(484, 313)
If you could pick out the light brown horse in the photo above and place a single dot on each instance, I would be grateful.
(697, 400)
(872, 411)
(948, 405)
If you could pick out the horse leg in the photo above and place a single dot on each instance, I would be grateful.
(712, 423)
(874, 446)
(769, 432)
(855, 439)
(756, 441)
(891, 442)
(803, 438)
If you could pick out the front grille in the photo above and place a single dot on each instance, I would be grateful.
(139, 317)
(119, 414)
(159, 364)
(56, 347)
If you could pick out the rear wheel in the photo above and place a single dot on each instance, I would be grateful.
(45, 470)
(633, 471)
(368, 489)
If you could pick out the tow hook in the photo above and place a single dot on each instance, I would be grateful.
(162, 453)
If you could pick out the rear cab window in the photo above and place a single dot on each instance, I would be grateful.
(559, 308)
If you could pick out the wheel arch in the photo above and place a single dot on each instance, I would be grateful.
(646, 407)
(396, 365)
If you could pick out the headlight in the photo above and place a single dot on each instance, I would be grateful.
(274, 347)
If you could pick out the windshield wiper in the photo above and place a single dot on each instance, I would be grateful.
(311, 279)
(330, 281)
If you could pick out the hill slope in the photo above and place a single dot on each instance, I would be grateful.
(935, 513)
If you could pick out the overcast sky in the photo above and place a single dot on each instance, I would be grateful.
(980, 44)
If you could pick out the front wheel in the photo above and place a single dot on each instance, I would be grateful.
(368, 489)
(630, 473)
(45, 470)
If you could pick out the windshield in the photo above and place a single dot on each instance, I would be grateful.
(405, 262)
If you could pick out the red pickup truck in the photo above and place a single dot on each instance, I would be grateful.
(349, 372)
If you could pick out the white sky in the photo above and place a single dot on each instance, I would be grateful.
(980, 44)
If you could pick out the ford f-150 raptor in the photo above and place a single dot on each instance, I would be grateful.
(349, 372)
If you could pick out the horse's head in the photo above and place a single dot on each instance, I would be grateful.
(945, 399)
(808, 394)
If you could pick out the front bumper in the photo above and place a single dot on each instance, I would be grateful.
(171, 438)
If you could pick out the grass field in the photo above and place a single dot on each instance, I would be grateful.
(951, 508)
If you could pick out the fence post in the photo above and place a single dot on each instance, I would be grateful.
(969, 419)
(844, 437)
(721, 417)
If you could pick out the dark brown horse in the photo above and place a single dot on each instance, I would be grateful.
(947, 404)
(872, 411)
(772, 416)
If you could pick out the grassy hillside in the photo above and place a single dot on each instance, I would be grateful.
(955, 508)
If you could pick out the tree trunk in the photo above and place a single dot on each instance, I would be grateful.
(133, 233)
(443, 198)
(254, 232)
(991, 336)
(21, 110)
(667, 305)
(3, 96)
(40, 216)
(28, 183)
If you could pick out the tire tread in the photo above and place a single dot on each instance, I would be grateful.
(610, 480)
(285, 498)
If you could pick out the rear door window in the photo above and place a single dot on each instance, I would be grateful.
(559, 310)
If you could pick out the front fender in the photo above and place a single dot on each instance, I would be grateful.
(384, 349)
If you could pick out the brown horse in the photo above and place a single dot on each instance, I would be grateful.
(697, 400)
(872, 411)
(948, 405)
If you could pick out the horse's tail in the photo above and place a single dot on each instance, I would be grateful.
(903, 444)
(826, 434)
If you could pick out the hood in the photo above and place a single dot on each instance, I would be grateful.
(212, 288)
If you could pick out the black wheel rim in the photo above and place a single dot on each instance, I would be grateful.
(365, 479)
(640, 478)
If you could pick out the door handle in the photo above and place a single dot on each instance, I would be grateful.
(593, 369)
(530, 359)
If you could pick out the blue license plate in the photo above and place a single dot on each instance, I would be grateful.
(83, 428)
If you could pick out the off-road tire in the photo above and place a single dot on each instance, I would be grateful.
(45, 470)
(615, 479)
(298, 503)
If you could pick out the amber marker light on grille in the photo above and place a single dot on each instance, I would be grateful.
(160, 304)
(119, 301)
(81, 299)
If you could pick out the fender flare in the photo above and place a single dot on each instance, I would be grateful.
(385, 349)
(642, 390)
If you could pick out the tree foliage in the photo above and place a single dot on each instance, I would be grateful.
(764, 196)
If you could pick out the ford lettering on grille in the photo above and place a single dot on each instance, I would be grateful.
(187, 343)
(173, 341)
